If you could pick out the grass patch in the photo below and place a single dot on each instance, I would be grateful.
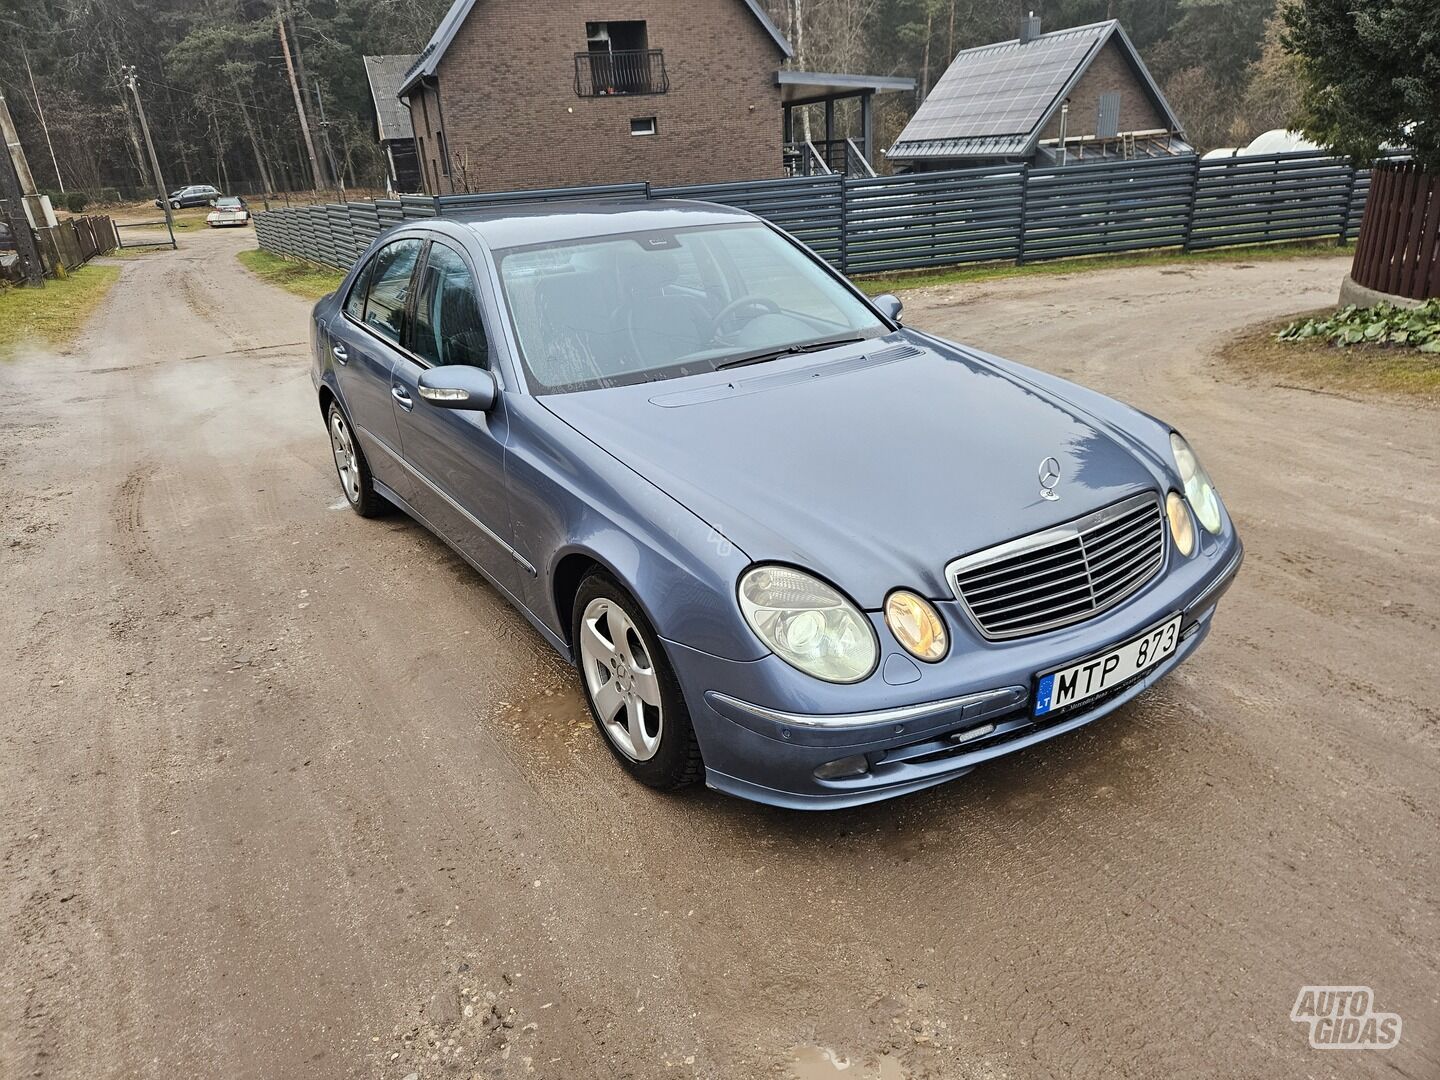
(1313, 364)
(875, 284)
(54, 313)
(303, 279)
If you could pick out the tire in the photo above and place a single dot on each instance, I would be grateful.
(350, 465)
(175, 204)
(656, 744)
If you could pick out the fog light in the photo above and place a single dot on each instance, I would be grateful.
(843, 768)
(1182, 529)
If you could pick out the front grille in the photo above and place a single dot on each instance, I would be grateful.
(1065, 574)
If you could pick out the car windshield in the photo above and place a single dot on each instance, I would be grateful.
(645, 306)
(228, 203)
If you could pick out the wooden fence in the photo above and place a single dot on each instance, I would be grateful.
(1399, 249)
(76, 241)
(1010, 213)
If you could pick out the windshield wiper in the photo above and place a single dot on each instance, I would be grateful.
(788, 350)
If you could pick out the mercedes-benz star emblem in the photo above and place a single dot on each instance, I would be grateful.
(1049, 478)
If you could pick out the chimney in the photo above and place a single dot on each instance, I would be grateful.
(1029, 28)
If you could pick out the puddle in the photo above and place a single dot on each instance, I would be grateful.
(822, 1063)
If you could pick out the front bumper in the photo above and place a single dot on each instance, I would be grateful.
(921, 725)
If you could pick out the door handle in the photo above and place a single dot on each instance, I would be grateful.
(401, 395)
(340, 353)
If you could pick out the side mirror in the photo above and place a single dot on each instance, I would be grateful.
(456, 386)
(889, 305)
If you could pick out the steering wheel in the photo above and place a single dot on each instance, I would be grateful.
(765, 306)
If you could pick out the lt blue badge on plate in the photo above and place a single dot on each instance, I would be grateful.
(1042, 696)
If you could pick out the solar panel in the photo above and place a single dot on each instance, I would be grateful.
(1001, 89)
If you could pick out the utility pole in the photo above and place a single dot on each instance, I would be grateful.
(13, 148)
(329, 150)
(43, 125)
(160, 193)
(30, 262)
(32, 204)
(299, 103)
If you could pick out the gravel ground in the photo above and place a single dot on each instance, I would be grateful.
(287, 793)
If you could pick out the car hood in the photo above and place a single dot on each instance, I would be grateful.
(873, 465)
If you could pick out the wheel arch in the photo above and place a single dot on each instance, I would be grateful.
(570, 570)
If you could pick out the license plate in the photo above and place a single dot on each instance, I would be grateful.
(1097, 674)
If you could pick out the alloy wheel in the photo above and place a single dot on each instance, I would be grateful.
(345, 463)
(620, 676)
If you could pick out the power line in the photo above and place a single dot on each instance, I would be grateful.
(255, 109)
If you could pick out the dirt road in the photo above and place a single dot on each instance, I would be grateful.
(287, 793)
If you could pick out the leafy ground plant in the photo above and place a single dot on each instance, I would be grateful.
(1383, 324)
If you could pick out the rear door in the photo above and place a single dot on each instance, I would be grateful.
(366, 344)
(457, 456)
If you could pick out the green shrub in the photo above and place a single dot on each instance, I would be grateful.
(76, 201)
(108, 195)
(1383, 324)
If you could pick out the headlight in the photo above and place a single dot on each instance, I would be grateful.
(808, 624)
(916, 625)
(1198, 488)
(1181, 529)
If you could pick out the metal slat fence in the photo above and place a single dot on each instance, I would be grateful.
(933, 219)
(1002, 213)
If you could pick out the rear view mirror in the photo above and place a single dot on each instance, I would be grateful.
(889, 305)
(456, 386)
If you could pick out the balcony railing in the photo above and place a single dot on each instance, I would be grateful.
(627, 71)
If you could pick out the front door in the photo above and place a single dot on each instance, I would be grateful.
(457, 456)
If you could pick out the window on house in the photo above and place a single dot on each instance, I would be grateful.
(618, 60)
(603, 37)
(643, 125)
(444, 152)
(1107, 120)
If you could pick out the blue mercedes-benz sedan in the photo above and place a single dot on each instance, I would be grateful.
(796, 549)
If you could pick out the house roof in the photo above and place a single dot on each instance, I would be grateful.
(800, 87)
(385, 74)
(993, 101)
(428, 61)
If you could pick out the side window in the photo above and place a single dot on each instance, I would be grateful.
(389, 288)
(355, 303)
(448, 325)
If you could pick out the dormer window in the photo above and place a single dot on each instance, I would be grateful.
(618, 60)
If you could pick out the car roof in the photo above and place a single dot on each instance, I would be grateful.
(518, 224)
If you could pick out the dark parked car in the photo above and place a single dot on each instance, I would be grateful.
(194, 195)
(796, 549)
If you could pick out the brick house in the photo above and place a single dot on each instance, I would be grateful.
(1070, 97)
(513, 94)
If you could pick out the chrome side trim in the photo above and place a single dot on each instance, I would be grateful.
(525, 563)
(901, 715)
